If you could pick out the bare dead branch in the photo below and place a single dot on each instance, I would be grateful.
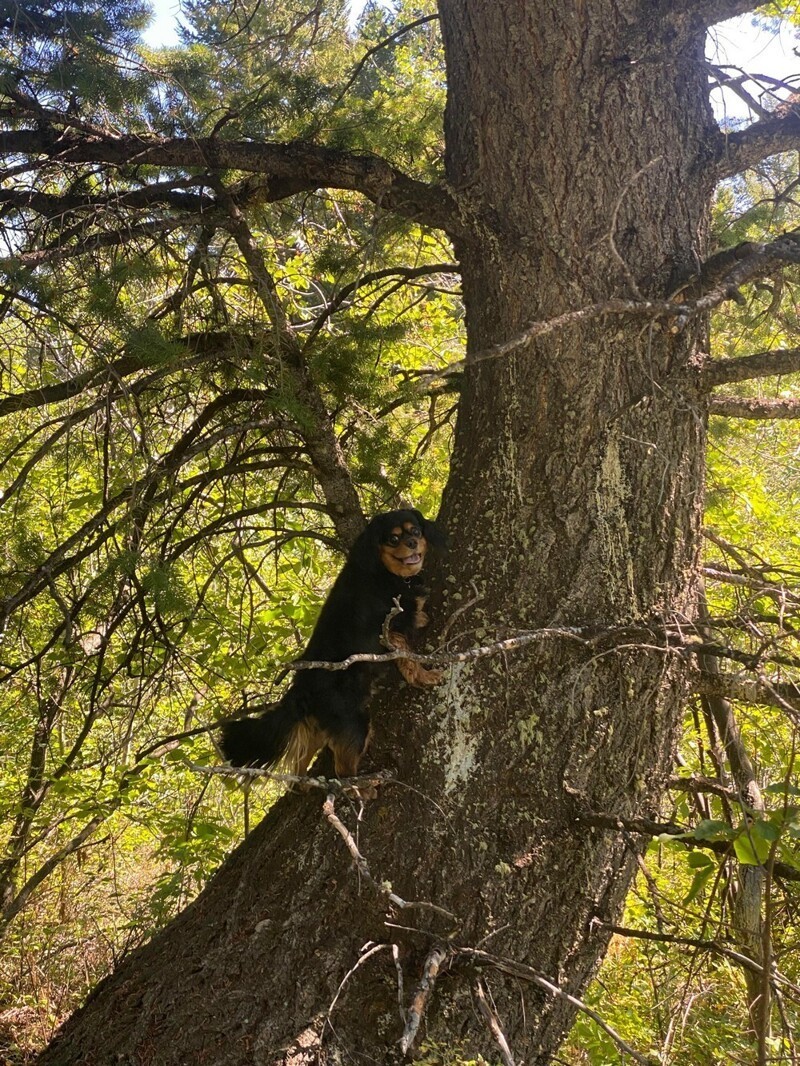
(697, 784)
(764, 693)
(383, 888)
(493, 1022)
(422, 994)
(527, 973)
(761, 260)
(441, 657)
(345, 785)
(782, 594)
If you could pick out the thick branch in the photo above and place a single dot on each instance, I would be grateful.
(291, 168)
(196, 344)
(664, 830)
(770, 694)
(759, 365)
(705, 13)
(318, 431)
(164, 193)
(746, 148)
(745, 407)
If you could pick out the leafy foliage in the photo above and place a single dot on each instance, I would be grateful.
(179, 419)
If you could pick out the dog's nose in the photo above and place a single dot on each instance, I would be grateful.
(411, 542)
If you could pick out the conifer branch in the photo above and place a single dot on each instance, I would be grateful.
(746, 407)
(291, 168)
(758, 365)
(739, 150)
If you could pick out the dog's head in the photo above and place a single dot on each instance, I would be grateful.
(398, 541)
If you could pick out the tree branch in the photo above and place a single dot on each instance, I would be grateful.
(664, 830)
(745, 407)
(720, 280)
(762, 693)
(164, 193)
(739, 150)
(527, 973)
(759, 365)
(422, 994)
(702, 945)
(291, 168)
(701, 12)
(199, 345)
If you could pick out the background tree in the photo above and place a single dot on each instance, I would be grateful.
(232, 326)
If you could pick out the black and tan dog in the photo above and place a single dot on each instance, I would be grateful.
(328, 707)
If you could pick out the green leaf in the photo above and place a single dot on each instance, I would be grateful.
(751, 850)
(781, 788)
(710, 829)
(765, 829)
(699, 881)
(699, 860)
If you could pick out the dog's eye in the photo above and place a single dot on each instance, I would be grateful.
(393, 540)
(414, 531)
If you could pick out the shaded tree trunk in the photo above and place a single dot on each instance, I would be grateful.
(574, 498)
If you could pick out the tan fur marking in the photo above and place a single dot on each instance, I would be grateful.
(304, 743)
(421, 619)
(415, 674)
(345, 761)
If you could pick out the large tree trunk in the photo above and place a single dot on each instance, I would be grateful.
(574, 499)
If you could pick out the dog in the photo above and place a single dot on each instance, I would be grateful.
(328, 708)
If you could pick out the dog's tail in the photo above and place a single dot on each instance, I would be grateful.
(279, 736)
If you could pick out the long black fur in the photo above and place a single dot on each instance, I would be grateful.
(334, 702)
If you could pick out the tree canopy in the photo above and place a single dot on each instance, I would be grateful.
(232, 325)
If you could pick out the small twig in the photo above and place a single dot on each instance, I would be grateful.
(384, 888)
(569, 632)
(375, 48)
(401, 996)
(361, 959)
(395, 611)
(345, 786)
(613, 227)
(491, 1019)
(421, 997)
(477, 597)
(527, 973)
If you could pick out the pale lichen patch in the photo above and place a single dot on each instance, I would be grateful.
(455, 740)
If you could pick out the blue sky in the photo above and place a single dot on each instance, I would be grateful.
(735, 42)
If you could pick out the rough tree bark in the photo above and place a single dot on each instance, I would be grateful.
(581, 156)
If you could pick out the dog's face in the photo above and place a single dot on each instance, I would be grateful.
(402, 548)
(397, 541)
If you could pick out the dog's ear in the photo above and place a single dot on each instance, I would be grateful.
(435, 535)
(364, 553)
